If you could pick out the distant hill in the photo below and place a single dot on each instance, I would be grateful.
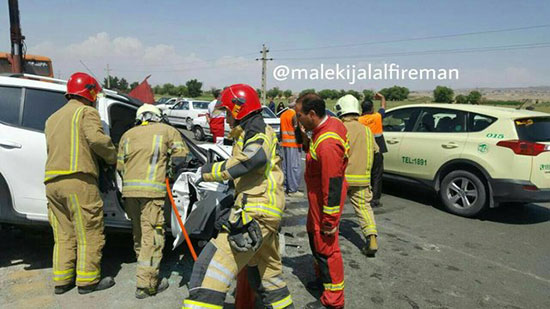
(541, 93)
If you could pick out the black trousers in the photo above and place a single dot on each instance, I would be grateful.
(376, 177)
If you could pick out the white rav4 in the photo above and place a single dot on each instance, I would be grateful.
(26, 104)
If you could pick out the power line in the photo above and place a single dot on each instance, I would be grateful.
(431, 52)
(414, 39)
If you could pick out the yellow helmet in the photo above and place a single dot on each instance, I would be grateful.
(347, 104)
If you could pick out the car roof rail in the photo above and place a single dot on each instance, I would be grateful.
(37, 77)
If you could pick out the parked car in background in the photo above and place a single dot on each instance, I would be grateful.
(183, 112)
(473, 156)
(165, 104)
(201, 128)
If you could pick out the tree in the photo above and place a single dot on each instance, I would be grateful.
(461, 99)
(326, 94)
(354, 93)
(368, 94)
(287, 93)
(274, 92)
(123, 85)
(113, 83)
(259, 92)
(215, 92)
(134, 85)
(158, 89)
(474, 97)
(169, 89)
(181, 91)
(194, 88)
(305, 91)
(395, 93)
(443, 94)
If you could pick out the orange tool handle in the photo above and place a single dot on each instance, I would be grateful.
(193, 254)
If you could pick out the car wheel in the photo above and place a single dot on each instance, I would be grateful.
(199, 133)
(463, 193)
(189, 123)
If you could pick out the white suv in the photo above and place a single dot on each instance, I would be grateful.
(26, 104)
(474, 156)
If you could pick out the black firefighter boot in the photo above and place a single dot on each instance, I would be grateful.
(103, 284)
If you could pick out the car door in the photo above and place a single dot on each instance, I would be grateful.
(438, 137)
(23, 147)
(178, 113)
(396, 124)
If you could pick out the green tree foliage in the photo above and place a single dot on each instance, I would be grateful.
(474, 97)
(194, 88)
(158, 89)
(274, 92)
(354, 93)
(133, 85)
(287, 93)
(305, 91)
(169, 89)
(395, 93)
(181, 91)
(443, 94)
(368, 94)
(461, 99)
(326, 94)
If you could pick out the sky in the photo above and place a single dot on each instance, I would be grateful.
(217, 42)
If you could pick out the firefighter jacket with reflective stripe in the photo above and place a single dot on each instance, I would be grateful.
(144, 154)
(326, 164)
(255, 168)
(288, 127)
(361, 152)
(75, 139)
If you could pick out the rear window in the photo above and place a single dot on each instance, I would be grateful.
(535, 129)
(200, 105)
(478, 122)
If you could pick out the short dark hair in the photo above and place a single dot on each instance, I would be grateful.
(311, 101)
(367, 106)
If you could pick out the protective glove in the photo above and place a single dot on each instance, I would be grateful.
(246, 237)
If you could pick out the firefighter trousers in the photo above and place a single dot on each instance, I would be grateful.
(218, 265)
(329, 267)
(376, 176)
(147, 217)
(360, 198)
(75, 212)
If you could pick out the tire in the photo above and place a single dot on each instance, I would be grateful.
(463, 193)
(189, 124)
(199, 133)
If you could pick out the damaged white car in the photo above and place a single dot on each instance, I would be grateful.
(26, 102)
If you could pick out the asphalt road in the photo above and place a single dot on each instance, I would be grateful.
(427, 259)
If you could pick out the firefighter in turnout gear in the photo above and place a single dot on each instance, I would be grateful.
(250, 236)
(326, 163)
(145, 153)
(358, 172)
(75, 142)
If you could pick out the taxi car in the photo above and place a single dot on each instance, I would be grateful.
(473, 156)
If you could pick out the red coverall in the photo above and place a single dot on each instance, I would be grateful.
(326, 164)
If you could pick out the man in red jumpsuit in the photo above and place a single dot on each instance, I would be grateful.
(326, 164)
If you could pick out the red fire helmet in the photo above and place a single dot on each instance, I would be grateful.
(83, 85)
(240, 100)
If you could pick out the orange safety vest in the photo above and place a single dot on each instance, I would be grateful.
(374, 122)
(287, 129)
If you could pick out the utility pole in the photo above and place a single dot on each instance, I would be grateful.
(17, 57)
(264, 69)
(108, 76)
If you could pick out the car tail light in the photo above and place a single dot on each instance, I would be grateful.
(530, 188)
(524, 148)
